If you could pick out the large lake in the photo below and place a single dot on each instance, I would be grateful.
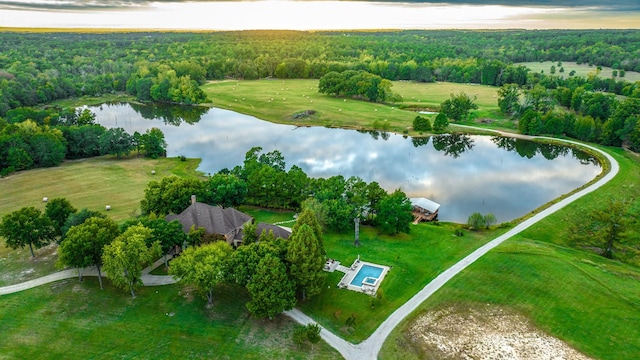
(320, 15)
(465, 174)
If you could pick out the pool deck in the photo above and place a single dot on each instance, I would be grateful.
(350, 273)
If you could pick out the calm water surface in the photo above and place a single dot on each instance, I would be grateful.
(464, 174)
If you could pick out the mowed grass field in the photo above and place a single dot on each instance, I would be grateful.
(76, 320)
(280, 100)
(590, 302)
(582, 70)
(92, 184)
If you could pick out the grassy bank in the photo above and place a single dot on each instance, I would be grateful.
(280, 100)
(76, 320)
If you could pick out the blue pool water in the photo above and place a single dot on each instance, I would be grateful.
(366, 271)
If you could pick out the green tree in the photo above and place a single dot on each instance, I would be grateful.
(58, 210)
(153, 143)
(308, 217)
(78, 218)
(27, 226)
(489, 219)
(394, 213)
(306, 261)
(476, 221)
(171, 195)
(226, 190)
(313, 334)
(611, 225)
(271, 290)
(509, 98)
(115, 141)
(440, 123)
(421, 124)
(127, 255)
(203, 266)
(249, 235)
(457, 107)
(167, 234)
(84, 244)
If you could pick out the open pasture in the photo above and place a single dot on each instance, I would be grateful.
(280, 100)
(583, 70)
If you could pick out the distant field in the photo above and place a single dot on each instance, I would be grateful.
(279, 100)
(581, 70)
(91, 183)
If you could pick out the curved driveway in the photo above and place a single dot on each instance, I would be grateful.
(369, 348)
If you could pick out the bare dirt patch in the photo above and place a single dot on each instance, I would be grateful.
(486, 333)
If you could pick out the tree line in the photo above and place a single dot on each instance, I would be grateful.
(275, 271)
(36, 68)
(31, 138)
(263, 181)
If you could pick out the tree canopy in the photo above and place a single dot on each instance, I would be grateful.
(127, 255)
(27, 226)
(84, 244)
(203, 266)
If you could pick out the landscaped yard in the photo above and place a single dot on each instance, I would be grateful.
(415, 259)
(76, 320)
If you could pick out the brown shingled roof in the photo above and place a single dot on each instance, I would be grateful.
(215, 219)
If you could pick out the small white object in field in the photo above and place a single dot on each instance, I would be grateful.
(108, 207)
(45, 199)
(153, 172)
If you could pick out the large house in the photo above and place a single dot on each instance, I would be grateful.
(227, 222)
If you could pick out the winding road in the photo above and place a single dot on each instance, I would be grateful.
(369, 348)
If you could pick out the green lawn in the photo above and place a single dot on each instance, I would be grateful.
(589, 302)
(414, 259)
(582, 70)
(77, 320)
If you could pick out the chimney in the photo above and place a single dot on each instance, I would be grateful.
(193, 199)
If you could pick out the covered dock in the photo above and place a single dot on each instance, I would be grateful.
(424, 210)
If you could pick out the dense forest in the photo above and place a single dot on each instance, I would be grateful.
(169, 67)
(36, 68)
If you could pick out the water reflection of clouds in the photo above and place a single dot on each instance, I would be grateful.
(486, 179)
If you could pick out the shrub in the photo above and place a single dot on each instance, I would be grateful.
(421, 124)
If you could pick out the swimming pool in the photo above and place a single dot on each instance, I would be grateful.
(366, 271)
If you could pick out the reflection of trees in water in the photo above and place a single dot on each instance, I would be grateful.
(529, 149)
(506, 143)
(376, 135)
(551, 152)
(525, 148)
(453, 145)
(170, 114)
(583, 157)
(420, 141)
